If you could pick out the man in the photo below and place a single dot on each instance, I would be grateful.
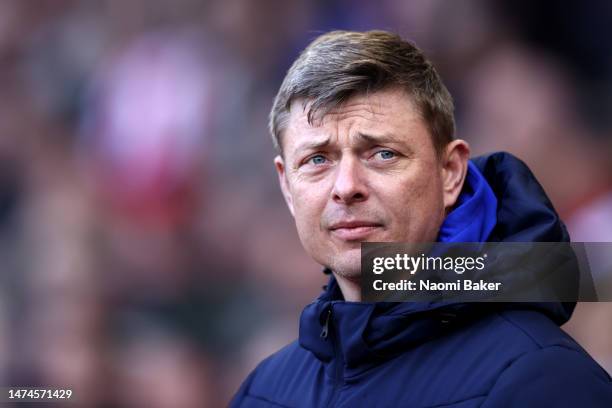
(365, 133)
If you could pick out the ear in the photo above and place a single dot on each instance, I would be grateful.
(454, 169)
(282, 179)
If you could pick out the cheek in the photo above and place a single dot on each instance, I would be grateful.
(308, 210)
(415, 203)
(429, 209)
(310, 233)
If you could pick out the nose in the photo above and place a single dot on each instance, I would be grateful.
(349, 186)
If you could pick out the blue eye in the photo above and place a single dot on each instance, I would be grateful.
(386, 154)
(318, 159)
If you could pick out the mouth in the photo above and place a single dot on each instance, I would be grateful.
(353, 230)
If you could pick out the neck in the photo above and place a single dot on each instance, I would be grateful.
(350, 288)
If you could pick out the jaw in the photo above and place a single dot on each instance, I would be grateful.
(350, 287)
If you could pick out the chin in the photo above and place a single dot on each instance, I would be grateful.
(349, 266)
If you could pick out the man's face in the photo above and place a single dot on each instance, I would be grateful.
(367, 172)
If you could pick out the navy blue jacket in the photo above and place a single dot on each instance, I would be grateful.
(440, 355)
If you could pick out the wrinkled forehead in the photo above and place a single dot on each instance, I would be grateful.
(383, 101)
(391, 111)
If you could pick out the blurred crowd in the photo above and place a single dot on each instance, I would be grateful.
(146, 254)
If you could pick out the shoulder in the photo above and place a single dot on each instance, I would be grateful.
(536, 328)
(541, 336)
(278, 375)
(551, 370)
(552, 376)
(289, 358)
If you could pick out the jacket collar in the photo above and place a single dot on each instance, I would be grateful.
(364, 333)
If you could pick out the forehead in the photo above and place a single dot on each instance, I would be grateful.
(390, 111)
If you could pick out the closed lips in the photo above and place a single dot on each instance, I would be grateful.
(353, 224)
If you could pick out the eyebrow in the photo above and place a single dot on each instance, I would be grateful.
(314, 144)
(374, 139)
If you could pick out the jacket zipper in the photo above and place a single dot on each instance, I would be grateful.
(325, 331)
(325, 334)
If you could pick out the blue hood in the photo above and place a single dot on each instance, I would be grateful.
(475, 213)
(502, 202)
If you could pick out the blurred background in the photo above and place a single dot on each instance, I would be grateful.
(146, 254)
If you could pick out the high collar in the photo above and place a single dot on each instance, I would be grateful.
(474, 215)
(364, 333)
